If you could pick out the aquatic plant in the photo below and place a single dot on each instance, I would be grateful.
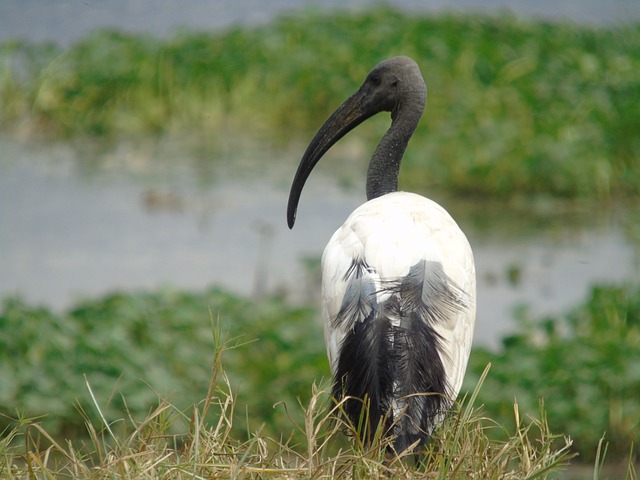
(515, 107)
(585, 365)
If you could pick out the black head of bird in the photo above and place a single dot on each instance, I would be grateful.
(395, 85)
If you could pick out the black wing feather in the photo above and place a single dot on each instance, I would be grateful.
(392, 354)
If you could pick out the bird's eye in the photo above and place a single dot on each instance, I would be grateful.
(375, 79)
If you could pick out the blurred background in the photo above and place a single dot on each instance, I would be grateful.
(147, 149)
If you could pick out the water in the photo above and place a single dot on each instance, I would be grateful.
(64, 21)
(138, 220)
(65, 234)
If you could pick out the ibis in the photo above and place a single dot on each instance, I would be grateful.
(398, 277)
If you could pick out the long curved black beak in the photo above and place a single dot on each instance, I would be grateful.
(348, 116)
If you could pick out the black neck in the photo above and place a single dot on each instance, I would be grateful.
(384, 167)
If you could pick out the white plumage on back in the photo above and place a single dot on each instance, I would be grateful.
(391, 234)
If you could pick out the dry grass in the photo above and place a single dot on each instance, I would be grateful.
(197, 444)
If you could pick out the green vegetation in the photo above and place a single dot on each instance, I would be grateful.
(585, 365)
(147, 352)
(526, 107)
(133, 347)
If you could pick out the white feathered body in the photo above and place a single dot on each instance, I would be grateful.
(399, 274)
